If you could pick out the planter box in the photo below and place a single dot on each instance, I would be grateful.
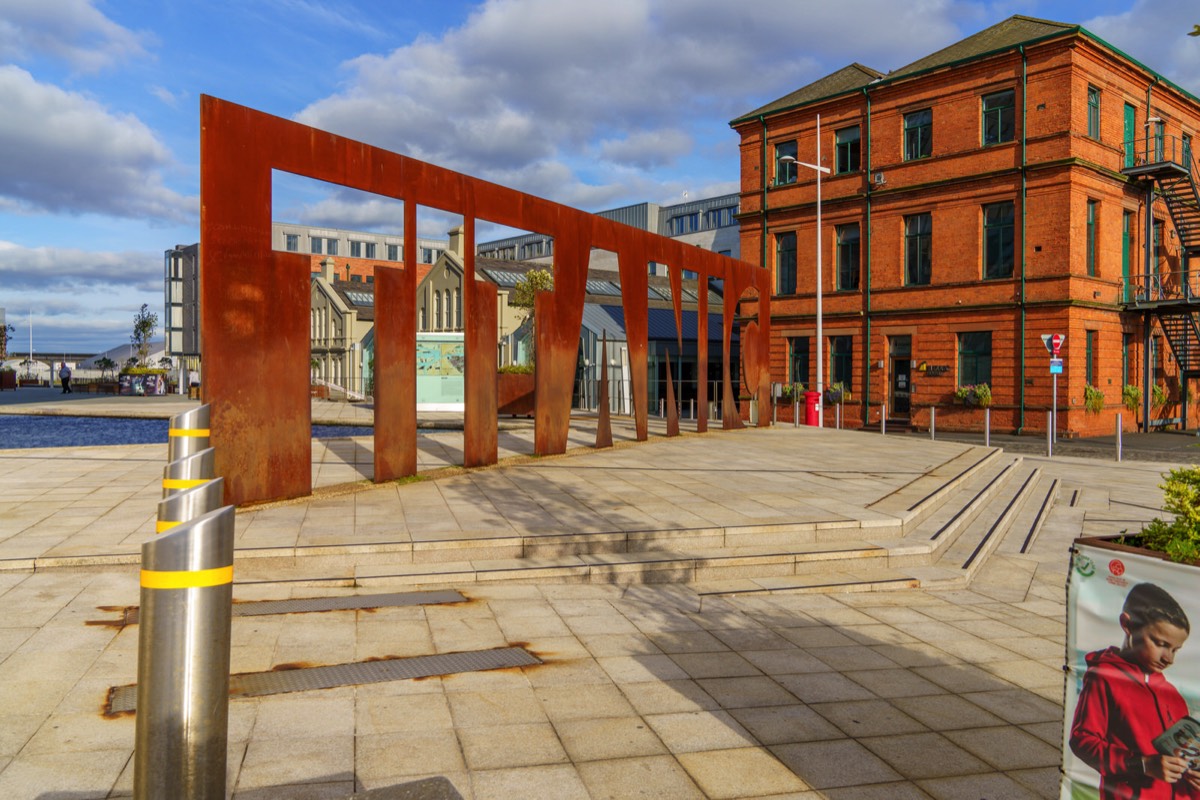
(29, 382)
(8, 380)
(1102, 573)
(515, 394)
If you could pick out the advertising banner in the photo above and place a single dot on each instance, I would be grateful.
(1132, 677)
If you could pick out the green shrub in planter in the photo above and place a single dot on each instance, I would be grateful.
(1131, 396)
(1158, 395)
(1179, 539)
(1093, 399)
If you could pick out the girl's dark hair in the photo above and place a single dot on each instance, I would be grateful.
(1147, 603)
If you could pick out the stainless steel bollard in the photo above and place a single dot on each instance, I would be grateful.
(189, 472)
(883, 418)
(838, 415)
(1118, 437)
(987, 427)
(1049, 434)
(933, 422)
(182, 728)
(189, 504)
(693, 407)
(796, 414)
(188, 433)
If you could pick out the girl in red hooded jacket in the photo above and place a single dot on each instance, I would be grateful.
(1126, 703)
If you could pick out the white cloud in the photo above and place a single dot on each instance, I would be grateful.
(66, 153)
(73, 31)
(527, 92)
(69, 270)
(1155, 33)
(647, 149)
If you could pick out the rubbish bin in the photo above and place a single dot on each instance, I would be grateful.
(812, 414)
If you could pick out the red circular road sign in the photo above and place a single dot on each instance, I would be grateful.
(1056, 342)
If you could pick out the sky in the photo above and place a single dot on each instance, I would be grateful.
(592, 104)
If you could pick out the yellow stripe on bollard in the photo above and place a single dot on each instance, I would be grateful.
(188, 432)
(187, 579)
(183, 483)
(163, 525)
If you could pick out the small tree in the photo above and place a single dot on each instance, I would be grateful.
(106, 365)
(6, 332)
(145, 323)
(524, 293)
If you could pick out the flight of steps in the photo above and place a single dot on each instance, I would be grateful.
(933, 532)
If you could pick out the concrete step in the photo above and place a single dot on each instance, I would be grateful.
(981, 513)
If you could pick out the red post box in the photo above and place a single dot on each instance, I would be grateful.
(812, 414)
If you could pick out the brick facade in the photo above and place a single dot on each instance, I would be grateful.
(1049, 172)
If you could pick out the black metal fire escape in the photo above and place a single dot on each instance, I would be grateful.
(1172, 296)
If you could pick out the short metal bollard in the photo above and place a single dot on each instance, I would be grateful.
(933, 422)
(1049, 434)
(188, 433)
(987, 427)
(189, 504)
(1118, 437)
(796, 414)
(182, 727)
(189, 472)
(883, 418)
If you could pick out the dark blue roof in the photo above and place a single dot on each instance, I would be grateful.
(662, 324)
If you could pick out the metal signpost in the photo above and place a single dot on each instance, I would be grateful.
(1054, 343)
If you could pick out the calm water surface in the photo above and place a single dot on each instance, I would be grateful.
(23, 431)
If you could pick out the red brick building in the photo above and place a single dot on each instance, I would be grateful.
(987, 194)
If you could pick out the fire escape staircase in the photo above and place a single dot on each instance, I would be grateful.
(1173, 297)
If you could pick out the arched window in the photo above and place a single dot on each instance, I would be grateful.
(437, 310)
(458, 323)
(449, 313)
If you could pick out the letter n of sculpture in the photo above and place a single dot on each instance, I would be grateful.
(254, 303)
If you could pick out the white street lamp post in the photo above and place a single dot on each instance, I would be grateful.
(820, 326)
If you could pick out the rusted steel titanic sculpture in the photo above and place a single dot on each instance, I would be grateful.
(255, 304)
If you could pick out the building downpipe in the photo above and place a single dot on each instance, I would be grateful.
(1024, 169)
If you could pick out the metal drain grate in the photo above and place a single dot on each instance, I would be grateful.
(309, 604)
(255, 684)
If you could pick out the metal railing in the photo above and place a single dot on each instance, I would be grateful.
(1164, 286)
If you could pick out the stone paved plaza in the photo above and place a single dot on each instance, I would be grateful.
(646, 690)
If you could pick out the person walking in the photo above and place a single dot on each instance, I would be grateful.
(64, 375)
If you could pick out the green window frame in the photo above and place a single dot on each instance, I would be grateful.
(918, 134)
(785, 263)
(974, 358)
(999, 117)
(1091, 237)
(1092, 368)
(798, 361)
(785, 171)
(918, 249)
(848, 257)
(1093, 112)
(998, 240)
(1186, 147)
(847, 143)
(841, 360)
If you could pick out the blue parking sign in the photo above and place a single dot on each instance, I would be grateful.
(1056, 366)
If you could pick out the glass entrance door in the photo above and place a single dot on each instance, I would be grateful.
(900, 354)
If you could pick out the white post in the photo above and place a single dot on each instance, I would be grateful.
(693, 407)
(987, 427)
(883, 418)
(1054, 411)
(933, 422)
(1049, 434)
(796, 415)
(1118, 437)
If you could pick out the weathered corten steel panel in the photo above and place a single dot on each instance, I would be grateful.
(480, 437)
(604, 423)
(672, 411)
(396, 361)
(255, 302)
(702, 354)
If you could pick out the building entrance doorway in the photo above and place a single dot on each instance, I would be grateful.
(900, 396)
